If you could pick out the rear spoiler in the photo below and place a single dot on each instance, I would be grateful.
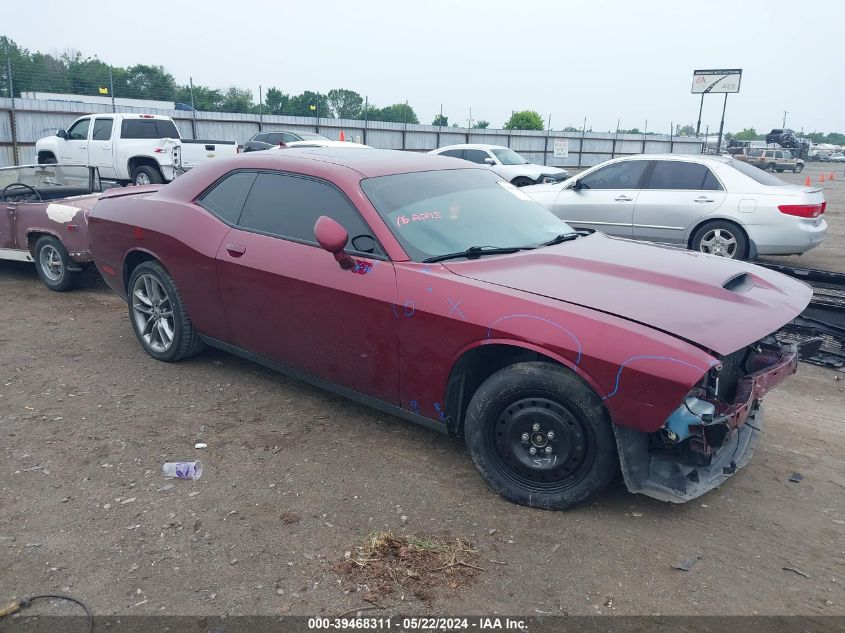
(120, 192)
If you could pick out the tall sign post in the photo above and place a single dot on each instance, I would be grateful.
(719, 81)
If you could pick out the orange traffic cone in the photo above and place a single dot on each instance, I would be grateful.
(831, 176)
(342, 136)
(821, 179)
(808, 182)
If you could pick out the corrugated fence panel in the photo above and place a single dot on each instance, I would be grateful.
(385, 139)
(452, 138)
(26, 155)
(420, 141)
(240, 131)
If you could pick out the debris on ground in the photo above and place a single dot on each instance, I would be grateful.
(797, 571)
(688, 562)
(796, 477)
(386, 562)
(200, 445)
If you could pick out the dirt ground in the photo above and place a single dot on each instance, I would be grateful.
(294, 478)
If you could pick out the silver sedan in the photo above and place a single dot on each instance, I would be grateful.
(712, 204)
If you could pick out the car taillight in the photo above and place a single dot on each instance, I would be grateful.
(803, 210)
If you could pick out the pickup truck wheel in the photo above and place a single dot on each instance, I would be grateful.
(522, 181)
(49, 160)
(158, 315)
(146, 175)
(798, 168)
(53, 264)
(540, 436)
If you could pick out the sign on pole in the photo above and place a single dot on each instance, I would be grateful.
(721, 80)
(561, 148)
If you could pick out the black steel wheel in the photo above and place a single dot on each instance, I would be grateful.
(540, 436)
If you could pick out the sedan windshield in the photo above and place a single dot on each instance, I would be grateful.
(436, 213)
(509, 157)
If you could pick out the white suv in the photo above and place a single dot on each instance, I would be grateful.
(505, 162)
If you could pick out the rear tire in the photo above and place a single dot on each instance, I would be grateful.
(722, 239)
(522, 181)
(547, 409)
(53, 264)
(158, 315)
(771, 167)
(146, 175)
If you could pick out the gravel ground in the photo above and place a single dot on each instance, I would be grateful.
(294, 477)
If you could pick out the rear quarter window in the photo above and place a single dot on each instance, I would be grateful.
(756, 174)
(226, 198)
(148, 128)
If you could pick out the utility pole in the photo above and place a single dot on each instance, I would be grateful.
(260, 109)
(111, 90)
(12, 117)
(784, 118)
(193, 109)
(366, 114)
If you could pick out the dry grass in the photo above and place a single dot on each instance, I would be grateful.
(386, 562)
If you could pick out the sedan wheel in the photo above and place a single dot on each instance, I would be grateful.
(540, 436)
(722, 239)
(158, 315)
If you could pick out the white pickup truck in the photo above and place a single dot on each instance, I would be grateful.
(130, 148)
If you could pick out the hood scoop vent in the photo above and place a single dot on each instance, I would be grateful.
(741, 283)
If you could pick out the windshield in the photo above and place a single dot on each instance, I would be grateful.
(45, 176)
(311, 136)
(434, 213)
(509, 157)
(763, 177)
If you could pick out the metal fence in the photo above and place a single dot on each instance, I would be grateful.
(24, 121)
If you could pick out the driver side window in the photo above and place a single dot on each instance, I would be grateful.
(288, 206)
(622, 175)
(79, 130)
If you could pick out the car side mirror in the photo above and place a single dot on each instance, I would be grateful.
(62, 134)
(577, 186)
(489, 161)
(333, 238)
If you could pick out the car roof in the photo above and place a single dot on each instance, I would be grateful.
(695, 158)
(471, 146)
(334, 163)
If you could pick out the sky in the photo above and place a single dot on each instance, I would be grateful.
(629, 61)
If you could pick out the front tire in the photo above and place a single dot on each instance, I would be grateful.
(798, 168)
(540, 436)
(146, 175)
(158, 315)
(722, 239)
(53, 264)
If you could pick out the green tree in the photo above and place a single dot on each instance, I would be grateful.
(747, 134)
(347, 104)
(397, 113)
(685, 130)
(440, 120)
(276, 101)
(205, 98)
(633, 130)
(142, 82)
(236, 100)
(307, 104)
(525, 120)
(481, 125)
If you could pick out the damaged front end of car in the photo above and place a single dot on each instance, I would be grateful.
(714, 430)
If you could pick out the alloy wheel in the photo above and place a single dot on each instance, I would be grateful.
(719, 242)
(142, 179)
(153, 313)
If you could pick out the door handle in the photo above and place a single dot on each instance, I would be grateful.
(235, 250)
(623, 199)
(702, 199)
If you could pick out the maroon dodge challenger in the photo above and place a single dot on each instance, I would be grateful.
(444, 295)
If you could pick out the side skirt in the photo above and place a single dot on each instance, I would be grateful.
(340, 390)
